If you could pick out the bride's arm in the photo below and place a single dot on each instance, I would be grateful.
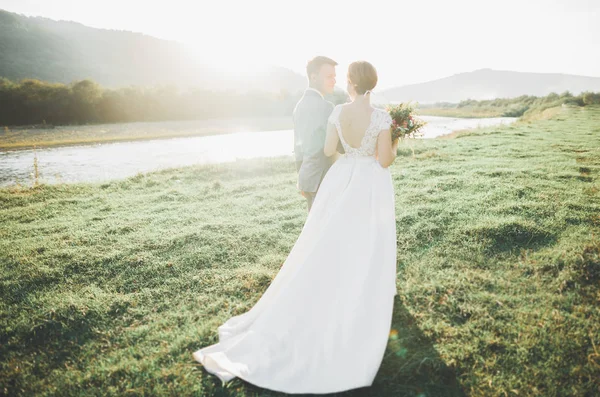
(386, 149)
(331, 140)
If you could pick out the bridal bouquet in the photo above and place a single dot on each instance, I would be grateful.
(404, 124)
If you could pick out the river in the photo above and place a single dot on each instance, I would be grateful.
(99, 162)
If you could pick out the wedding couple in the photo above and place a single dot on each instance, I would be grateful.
(323, 323)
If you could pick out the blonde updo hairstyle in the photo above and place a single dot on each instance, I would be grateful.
(362, 76)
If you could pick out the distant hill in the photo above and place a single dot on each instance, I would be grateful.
(489, 84)
(61, 51)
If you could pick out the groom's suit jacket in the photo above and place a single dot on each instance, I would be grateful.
(310, 127)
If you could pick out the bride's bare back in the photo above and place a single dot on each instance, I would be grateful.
(363, 130)
(354, 121)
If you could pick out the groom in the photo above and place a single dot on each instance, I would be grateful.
(310, 126)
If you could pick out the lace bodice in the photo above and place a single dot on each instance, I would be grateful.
(380, 120)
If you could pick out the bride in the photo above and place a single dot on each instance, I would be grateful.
(323, 323)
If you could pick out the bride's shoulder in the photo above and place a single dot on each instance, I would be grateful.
(338, 108)
(385, 120)
(333, 116)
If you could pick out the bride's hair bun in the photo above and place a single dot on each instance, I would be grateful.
(363, 76)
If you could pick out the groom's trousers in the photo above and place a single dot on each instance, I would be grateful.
(310, 198)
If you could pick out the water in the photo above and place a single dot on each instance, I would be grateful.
(99, 162)
(438, 126)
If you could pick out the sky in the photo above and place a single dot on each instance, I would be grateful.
(407, 41)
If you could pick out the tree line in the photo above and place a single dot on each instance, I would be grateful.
(31, 101)
(518, 106)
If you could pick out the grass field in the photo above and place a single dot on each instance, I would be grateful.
(107, 289)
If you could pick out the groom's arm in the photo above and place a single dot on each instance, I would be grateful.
(316, 129)
(315, 125)
(298, 137)
(316, 137)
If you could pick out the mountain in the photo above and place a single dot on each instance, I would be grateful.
(62, 51)
(489, 84)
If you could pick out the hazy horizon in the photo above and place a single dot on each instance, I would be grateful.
(443, 39)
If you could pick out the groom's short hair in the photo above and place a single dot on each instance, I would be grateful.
(314, 65)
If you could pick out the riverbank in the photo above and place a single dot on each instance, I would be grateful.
(26, 138)
(109, 287)
(63, 136)
(467, 113)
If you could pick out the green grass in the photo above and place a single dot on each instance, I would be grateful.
(108, 288)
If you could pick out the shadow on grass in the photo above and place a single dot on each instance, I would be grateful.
(53, 340)
(510, 236)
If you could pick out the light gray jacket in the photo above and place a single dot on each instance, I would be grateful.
(310, 127)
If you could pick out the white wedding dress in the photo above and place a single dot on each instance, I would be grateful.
(323, 323)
